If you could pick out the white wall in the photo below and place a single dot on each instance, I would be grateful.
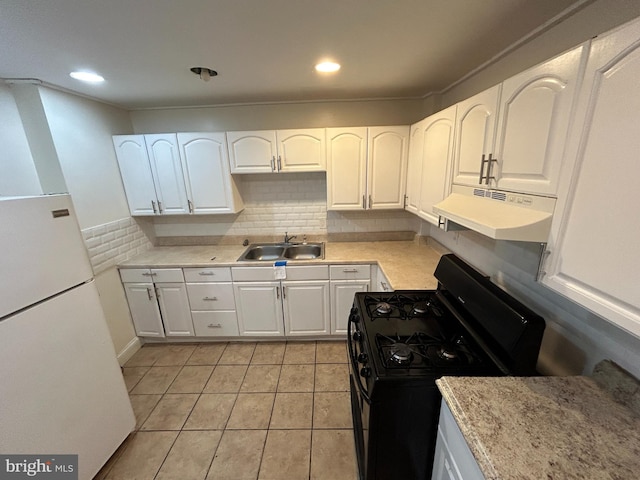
(81, 130)
(18, 174)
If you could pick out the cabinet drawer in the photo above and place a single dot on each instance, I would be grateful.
(253, 274)
(202, 275)
(155, 275)
(215, 324)
(211, 296)
(136, 275)
(350, 272)
(161, 275)
(308, 272)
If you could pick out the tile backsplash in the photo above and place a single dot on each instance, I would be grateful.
(114, 242)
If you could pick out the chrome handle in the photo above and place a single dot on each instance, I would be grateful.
(278, 293)
(384, 286)
(370, 202)
(206, 273)
(273, 164)
(350, 270)
(406, 201)
(284, 293)
(210, 299)
(279, 163)
(482, 162)
(214, 325)
(149, 294)
(190, 206)
(147, 274)
(159, 206)
(364, 205)
(490, 161)
(153, 205)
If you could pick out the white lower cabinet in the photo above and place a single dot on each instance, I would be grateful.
(160, 308)
(298, 305)
(346, 281)
(382, 283)
(213, 306)
(453, 459)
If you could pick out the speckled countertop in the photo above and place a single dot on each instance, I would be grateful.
(407, 265)
(544, 427)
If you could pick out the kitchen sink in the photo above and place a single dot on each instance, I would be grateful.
(282, 251)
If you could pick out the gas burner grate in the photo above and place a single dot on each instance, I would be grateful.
(401, 306)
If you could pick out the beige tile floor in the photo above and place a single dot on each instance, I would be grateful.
(236, 411)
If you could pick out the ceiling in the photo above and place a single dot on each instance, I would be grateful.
(264, 50)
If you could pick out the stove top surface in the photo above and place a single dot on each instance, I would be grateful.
(413, 333)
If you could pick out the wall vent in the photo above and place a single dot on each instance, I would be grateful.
(499, 196)
(478, 192)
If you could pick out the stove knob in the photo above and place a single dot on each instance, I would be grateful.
(365, 372)
(357, 336)
(354, 317)
(363, 357)
(353, 311)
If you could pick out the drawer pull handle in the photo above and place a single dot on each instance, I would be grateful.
(350, 270)
(147, 274)
(206, 273)
(210, 299)
(214, 325)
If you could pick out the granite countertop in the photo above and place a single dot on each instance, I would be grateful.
(544, 427)
(407, 265)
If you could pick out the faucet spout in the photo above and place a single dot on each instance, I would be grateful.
(287, 238)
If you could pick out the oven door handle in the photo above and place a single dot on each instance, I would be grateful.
(354, 363)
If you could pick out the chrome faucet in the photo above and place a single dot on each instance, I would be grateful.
(287, 238)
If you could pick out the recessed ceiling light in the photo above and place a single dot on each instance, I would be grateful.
(87, 77)
(328, 67)
(204, 73)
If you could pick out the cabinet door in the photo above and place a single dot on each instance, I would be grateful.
(259, 308)
(135, 170)
(174, 306)
(301, 150)
(342, 293)
(475, 135)
(252, 152)
(382, 283)
(205, 164)
(414, 168)
(437, 153)
(306, 307)
(166, 168)
(347, 168)
(595, 235)
(535, 110)
(144, 309)
(388, 148)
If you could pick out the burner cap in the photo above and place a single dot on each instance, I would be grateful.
(400, 353)
(447, 353)
(383, 307)
(420, 308)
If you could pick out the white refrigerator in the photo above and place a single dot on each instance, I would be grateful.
(61, 389)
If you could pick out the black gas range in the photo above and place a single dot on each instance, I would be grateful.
(401, 342)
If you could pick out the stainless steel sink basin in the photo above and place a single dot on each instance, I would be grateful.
(270, 252)
(303, 252)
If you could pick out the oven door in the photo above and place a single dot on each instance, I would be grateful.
(360, 401)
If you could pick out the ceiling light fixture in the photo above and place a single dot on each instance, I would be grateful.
(327, 67)
(204, 73)
(87, 77)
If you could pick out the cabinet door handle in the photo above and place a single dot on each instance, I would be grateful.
(273, 164)
(406, 200)
(214, 325)
(490, 162)
(149, 293)
(284, 292)
(210, 299)
(350, 270)
(149, 274)
(384, 285)
(278, 293)
(159, 206)
(482, 162)
(279, 163)
(370, 202)
(153, 205)
(364, 205)
(190, 206)
(206, 273)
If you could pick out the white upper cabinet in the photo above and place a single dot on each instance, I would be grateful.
(512, 136)
(414, 167)
(436, 157)
(210, 187)
(367, 167)
(388, 149)
(131, 152)
(269, 151)
(347, 168)
(595, 233)
(164, 157)
(535, 111)
(475, 134)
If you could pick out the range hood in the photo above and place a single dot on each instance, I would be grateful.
(498, 214)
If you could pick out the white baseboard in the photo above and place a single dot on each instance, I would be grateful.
(129, 350)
